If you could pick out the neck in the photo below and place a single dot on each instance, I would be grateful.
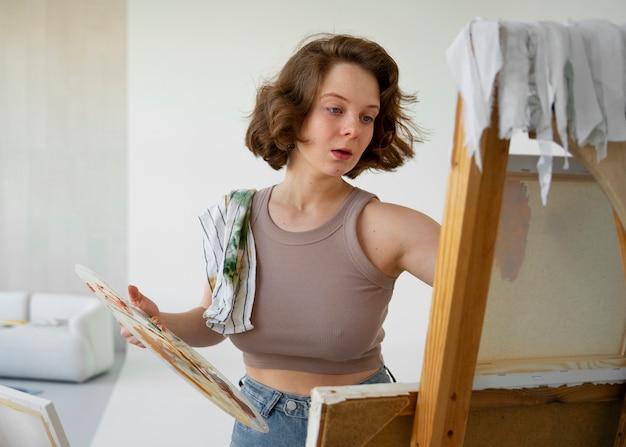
(301, 206)
(301, 192)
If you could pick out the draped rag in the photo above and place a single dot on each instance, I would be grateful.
(230, 257)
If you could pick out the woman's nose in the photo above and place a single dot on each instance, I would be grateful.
(350, 126)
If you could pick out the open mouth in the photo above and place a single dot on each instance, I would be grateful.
(342, 154)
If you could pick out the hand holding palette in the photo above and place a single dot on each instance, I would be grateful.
(181, 357)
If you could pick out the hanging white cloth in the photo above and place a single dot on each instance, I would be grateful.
(474, 59)
(539, 105)
(575, 73)
(604, 44)
(586, 121)
(513, 79)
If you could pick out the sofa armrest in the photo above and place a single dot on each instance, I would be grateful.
(86, 317)
(95, 325)
(70, 338)
(14, 305)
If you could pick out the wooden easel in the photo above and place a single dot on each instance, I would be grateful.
(437, 414)
(464, 267)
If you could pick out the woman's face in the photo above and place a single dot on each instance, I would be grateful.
(340, 124)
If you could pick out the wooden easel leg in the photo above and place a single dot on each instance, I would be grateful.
(460, 291)
(620, 437)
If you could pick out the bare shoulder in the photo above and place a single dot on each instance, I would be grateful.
(380, 212)
(397, 238)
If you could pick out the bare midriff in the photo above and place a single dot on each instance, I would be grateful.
(299, 382)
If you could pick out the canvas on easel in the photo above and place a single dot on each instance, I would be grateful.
(557, 293)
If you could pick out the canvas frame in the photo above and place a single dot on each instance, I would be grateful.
(26, 419)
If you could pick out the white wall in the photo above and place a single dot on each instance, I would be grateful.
(62, 143)
(193, 68)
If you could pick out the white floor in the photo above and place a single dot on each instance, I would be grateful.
(152, 406)
(80, 406)
(140, 402)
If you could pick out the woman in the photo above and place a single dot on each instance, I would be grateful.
(327, 253)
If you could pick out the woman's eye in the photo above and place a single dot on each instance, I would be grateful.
(368, 119)
(334, 109)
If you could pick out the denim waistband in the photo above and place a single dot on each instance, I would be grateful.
(269, 399)
(294, 405)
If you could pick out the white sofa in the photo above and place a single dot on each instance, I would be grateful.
(66, 337)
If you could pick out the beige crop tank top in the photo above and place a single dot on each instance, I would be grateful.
(320, 303)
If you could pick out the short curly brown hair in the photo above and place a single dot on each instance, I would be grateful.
(282, 104)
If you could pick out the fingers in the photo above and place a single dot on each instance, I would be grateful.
(141, 301)
(134, 294)
(144, 303)
(158, 323)
(130, 338)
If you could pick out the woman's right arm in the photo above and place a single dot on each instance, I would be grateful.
(189, 326)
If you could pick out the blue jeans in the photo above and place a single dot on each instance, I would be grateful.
(286, 414)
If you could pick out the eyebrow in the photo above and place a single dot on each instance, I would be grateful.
(337, 95)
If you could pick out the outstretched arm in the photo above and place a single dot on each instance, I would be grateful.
(398, 239)
(419, 241)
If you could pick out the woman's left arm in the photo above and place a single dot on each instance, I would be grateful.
(398, 239)
(419, 236)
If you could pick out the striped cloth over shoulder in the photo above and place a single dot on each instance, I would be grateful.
(230, 262)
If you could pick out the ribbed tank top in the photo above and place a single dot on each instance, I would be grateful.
(320, 303)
